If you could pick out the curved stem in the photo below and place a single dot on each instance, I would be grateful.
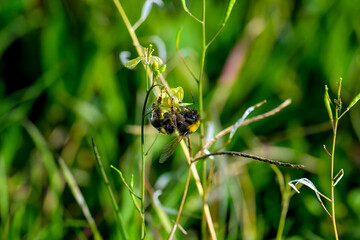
(143, 163)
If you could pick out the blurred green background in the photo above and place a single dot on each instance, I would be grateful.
(61, 82)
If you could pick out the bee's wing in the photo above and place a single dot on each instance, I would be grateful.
(169, 149)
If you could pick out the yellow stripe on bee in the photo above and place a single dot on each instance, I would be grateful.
(193, 127)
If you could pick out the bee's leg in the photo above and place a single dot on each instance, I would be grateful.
(173, 114)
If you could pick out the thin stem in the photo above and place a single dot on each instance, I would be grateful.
(215, 35)
(135, 40)
(181, 57)
(284, 209)
(181, 205)
(332, 175)
(129, 27)
(143, 163)
(200, 190)
(201, 110)
(246, 122)
(246, 155)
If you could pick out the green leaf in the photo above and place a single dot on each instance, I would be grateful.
(133, 62)
(328, 103)
(79, 197)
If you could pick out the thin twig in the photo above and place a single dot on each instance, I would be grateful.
(246, 155)
(181, 204)
(327, 151)
(181, 57)
(200, 190)
(246, 122)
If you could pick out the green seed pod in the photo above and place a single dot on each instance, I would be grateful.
(162, 68)
(155, 66)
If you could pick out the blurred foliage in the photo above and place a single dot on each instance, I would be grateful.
(61, 81)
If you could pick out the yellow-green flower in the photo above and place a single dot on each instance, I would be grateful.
(155, 63)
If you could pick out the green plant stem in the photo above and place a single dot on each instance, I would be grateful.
(284, 210)
(135, 40)
(285, 199)
(333, 218)
(201, 111)
(129, 27)
(143, 162)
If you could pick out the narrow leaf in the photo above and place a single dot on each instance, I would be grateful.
(247, 112)
(79, 198)
(327, 103)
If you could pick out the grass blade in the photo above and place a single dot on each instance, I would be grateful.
(79, 198)
(47, 156)
(113, 201)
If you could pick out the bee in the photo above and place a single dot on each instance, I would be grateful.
(181, 119)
